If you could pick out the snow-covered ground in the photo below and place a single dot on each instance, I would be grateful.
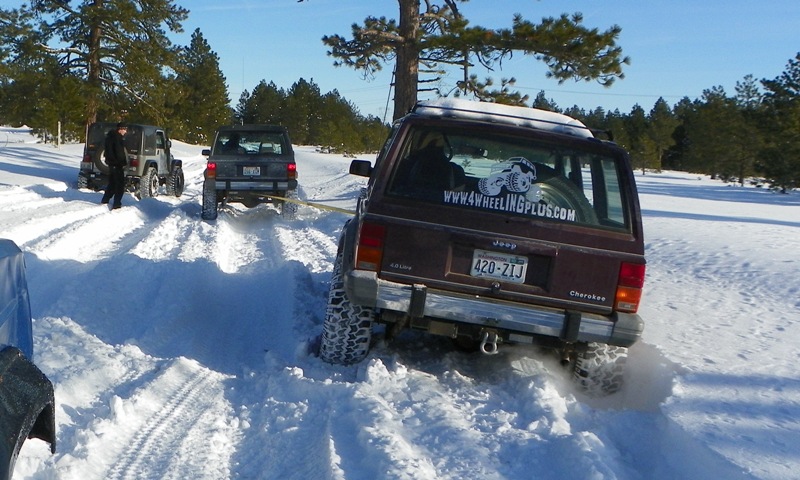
(182, 349)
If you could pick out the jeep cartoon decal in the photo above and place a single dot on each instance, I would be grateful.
(510, 188)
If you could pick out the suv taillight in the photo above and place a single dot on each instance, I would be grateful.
(370, 247)
(211, 170)
(291, 171)
(629, 287)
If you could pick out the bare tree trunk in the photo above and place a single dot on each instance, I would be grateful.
(407, 75)
(93, 99)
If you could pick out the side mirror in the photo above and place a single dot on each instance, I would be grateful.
(362, 168)
(206, 152)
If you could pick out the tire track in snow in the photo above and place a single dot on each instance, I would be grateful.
(28, 216)
(180, 407)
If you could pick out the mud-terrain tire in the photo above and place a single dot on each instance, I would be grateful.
(557, 191)
(148, 184)
(600, 369)
(347, 330)
(83, 182)
(209, 205)
(97, 159)
(175, 182)
(289, 209)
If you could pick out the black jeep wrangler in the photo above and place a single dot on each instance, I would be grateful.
(494, 225)
(250, 164)
(150, 163)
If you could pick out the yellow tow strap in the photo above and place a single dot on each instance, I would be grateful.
(315, 205)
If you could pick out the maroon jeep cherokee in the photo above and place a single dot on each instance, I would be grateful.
(494, 225)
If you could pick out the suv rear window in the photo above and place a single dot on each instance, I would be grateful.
(512, 174)
(248, 143)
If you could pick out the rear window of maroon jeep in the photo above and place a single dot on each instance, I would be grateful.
(483, 170)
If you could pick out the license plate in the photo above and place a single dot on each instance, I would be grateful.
(499, 266)
(251, 171)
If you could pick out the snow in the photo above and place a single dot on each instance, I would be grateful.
(183, 349)
(496, 112)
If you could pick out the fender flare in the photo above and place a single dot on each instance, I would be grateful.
(27, 407)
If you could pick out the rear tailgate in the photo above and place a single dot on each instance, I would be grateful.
(256, 173)
(501, 266)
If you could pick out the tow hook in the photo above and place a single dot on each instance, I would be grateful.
(489, 343)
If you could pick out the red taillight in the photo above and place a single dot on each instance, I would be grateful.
(87, 158)
(291, 171)
(629, 287)
(370, 247)
(211, 170)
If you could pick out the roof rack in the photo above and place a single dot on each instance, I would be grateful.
(507, 114)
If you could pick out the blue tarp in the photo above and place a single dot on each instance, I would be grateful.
(15, 306)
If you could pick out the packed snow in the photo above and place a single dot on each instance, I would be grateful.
(180, 348)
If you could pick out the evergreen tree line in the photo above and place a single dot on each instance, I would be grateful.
(69, 63)
(65, 65)
(312, 118)
(754, 132)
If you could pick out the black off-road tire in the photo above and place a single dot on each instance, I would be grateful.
(289, 209)
(175, 182)
(97, 159)
(600, 369)
(209, 206)
(149, 183)
(83, 182)
(347, 330)
(557, 191)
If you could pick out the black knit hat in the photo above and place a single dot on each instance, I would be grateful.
(122, 125)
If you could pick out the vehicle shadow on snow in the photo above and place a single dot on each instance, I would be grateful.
(170, 307)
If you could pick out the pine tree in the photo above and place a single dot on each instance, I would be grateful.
(119, 48)
(203, 103)
(780, 159)
(266, 105)
(440, 36)
(301, 115)
(661, 126)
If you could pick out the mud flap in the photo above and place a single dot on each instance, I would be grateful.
(572, 326)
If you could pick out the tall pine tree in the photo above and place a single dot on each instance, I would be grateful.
(119, 48)
(440, 35)
(203, 103)
(780, 160)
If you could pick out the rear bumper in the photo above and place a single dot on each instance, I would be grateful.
(364, 288)
(255, 186)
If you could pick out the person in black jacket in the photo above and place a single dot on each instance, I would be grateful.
(116, 159)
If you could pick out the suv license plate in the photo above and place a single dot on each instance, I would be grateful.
(251, 171)
(499, 266)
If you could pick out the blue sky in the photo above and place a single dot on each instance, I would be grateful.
(677, 48)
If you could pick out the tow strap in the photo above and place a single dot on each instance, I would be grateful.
(315, 205)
